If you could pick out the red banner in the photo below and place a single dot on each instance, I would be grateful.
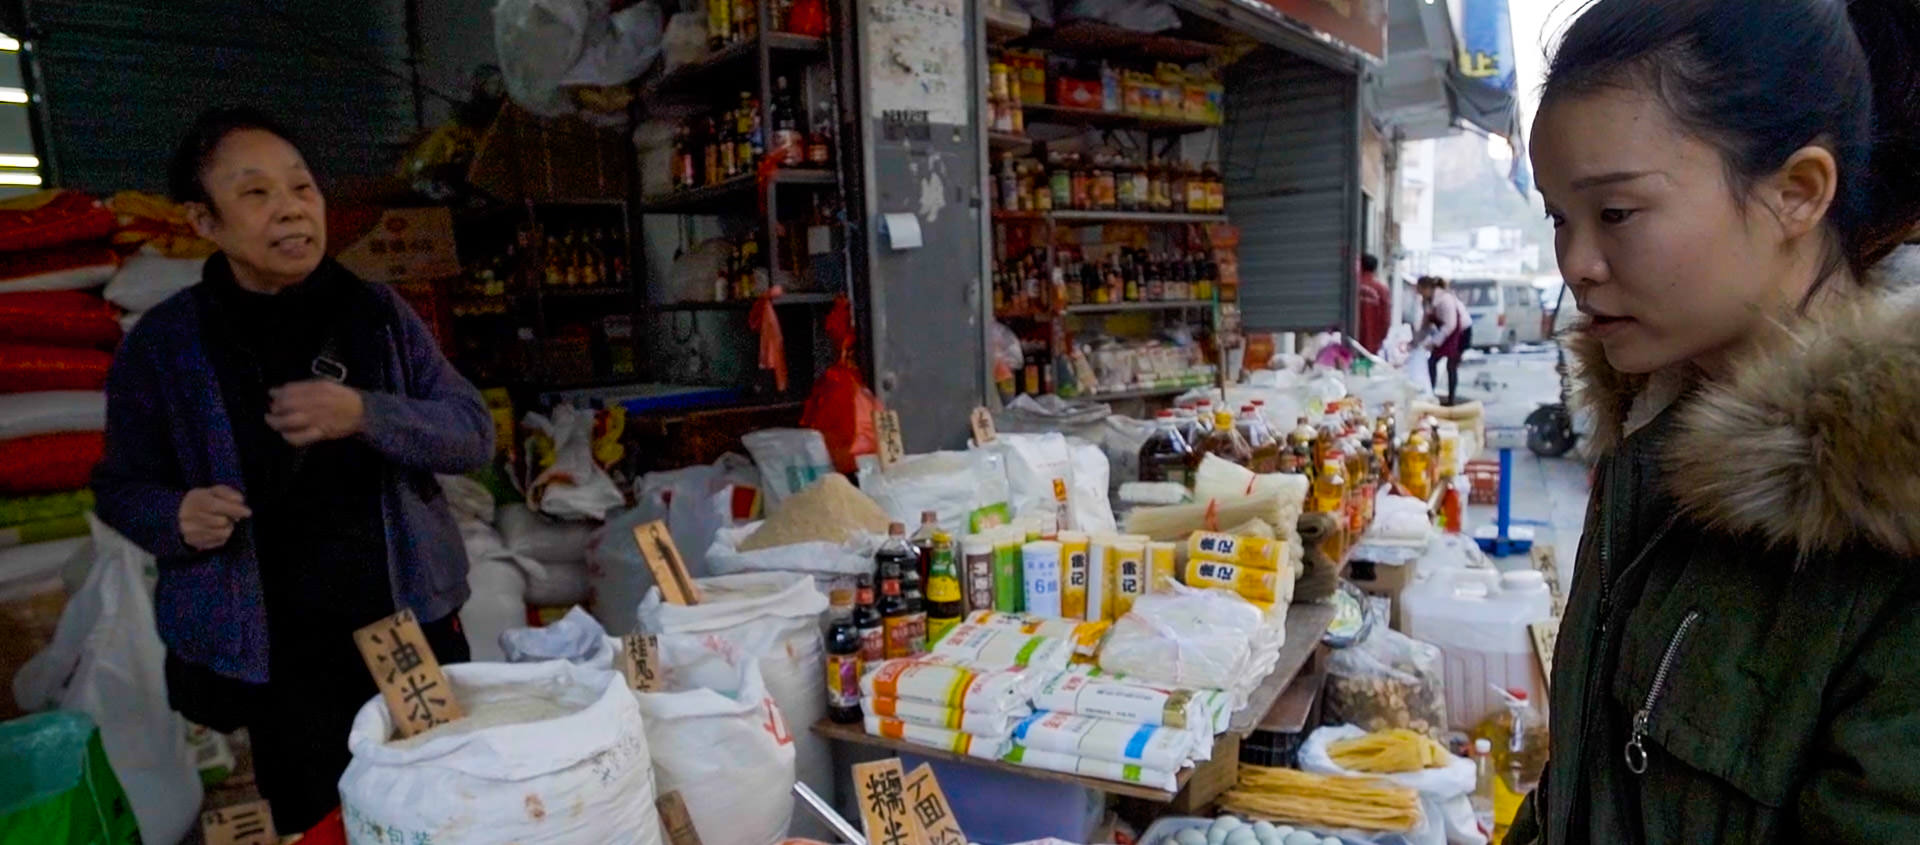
(1362, 24)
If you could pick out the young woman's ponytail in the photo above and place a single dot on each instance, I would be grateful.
(1889, 33)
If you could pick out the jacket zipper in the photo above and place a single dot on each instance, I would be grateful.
(1636, 750)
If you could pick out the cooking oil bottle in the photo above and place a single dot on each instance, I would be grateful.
(1519, 739)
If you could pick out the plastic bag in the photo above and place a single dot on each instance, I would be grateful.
(574, 487)
(841, 408)
(497, 602)
(773, 618)
(951, 484)
(1121, 439)
(1446, 814)
(24, 369)
(50, 412)
(58, 785)
(580, 776)
(823, 561)
(1198, 639)
(1039, 475)
(547, 44)
(1388, 680)
(58, 318)
(789, 459)
(1089, 508)
(106, 660)
(49, 463)
(719, 739)
(538, 541)
(575, 637)
(145, 281)
(685, 40)
(1075, 418)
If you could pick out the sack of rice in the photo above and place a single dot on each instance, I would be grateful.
(548, 752)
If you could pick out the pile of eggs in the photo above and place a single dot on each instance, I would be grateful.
(1228, 830)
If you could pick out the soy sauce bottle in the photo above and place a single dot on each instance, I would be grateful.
(844, 664)
(868, 625)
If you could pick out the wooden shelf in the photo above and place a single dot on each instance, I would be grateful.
(1090, 39)
(1145, 217)
(696, 79)
(1117, 307)
(728, 197)
(857, 735)
(1102, 119)
(584, 293)
(1305, 624)
(1008, 141)
(1290, 711)
(791, 299)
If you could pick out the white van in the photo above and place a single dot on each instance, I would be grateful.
(1505, 311)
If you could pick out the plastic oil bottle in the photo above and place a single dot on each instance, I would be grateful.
(1519, 739)
(1166, 456)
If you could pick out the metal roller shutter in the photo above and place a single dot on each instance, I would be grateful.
(119, 80)
(1291, 160)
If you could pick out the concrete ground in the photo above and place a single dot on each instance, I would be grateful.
(1549, 494)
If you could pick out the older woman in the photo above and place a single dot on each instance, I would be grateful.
(272, 436)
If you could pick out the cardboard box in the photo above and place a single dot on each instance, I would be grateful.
(394, 244)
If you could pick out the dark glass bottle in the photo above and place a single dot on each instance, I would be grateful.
(867, 622)
(844, 663)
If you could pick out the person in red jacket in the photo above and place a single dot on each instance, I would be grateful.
(1376, 305)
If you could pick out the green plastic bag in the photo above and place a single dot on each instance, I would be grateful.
(56, 787)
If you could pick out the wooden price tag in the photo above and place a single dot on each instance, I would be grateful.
(663, 559)
(403, 666)
(928, 803)
(636, 662)
(1546, 635)
(675, 821)
(886, 429)
(241, 824)
(884, 815)
(982, 422)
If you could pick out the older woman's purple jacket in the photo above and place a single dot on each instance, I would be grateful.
(168, 432)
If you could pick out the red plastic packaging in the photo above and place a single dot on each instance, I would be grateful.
(58, 318)
(841, 407)
(24, 369)
(61, 217)
(49, 463)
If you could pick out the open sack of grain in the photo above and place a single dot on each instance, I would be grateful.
(827, 530)
(547, 753)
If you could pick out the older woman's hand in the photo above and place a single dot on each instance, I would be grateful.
(208, 514)
(308, 412)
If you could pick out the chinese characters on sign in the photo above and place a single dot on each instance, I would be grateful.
(886, 428)
(636, 662)
(884, 815)
(403, 666)
(982, 423)
(930, 808)
(241, 824)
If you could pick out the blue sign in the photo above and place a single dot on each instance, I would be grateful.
(1486, 44)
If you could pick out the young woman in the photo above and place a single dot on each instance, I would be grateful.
(272, 435)
(1446, 329)
(1737, 663)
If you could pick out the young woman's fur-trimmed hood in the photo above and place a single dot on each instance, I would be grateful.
(1813, 440)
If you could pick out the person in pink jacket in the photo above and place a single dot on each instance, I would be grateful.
(1446, 329)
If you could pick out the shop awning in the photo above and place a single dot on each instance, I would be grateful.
(1450, 64)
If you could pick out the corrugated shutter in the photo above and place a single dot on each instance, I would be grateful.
(121, 79)
(1291, 167)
